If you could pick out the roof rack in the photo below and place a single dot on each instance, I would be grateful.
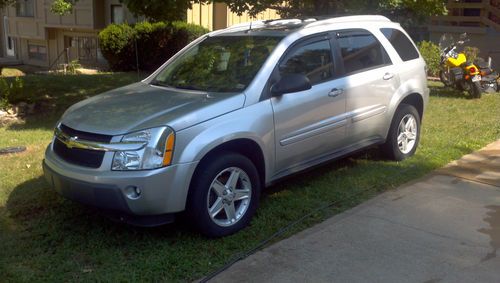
(306, 22)
(268, 23)
(347, 19)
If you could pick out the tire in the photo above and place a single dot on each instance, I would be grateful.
(213, 206)
(444, 78)
(404, 134)
(475, 89)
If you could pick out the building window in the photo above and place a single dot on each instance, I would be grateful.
(117, 16)
(25, 8)
(37, 52)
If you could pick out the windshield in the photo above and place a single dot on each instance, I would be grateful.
(218, 64)
(446, 41)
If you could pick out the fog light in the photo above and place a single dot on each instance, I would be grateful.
(133, 192)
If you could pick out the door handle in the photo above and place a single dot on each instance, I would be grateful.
(335, 92)
(388, 76)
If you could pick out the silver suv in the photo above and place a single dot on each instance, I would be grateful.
(235, 111)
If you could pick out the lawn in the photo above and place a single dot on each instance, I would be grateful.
(44, 237)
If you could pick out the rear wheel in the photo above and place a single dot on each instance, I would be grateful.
(224, 195)
(404, 134)
(475, 89)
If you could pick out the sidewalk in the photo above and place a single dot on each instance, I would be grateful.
(444, 227)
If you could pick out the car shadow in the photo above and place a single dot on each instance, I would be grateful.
(38, 208)
(449, 92)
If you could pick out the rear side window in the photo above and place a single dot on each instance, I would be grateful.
(361, 51)
(313, 60)
(401, 43)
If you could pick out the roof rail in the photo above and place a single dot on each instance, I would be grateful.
(346, 19)
(246, 26)
(267, 23)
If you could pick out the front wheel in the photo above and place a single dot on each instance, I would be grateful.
(224, 194)
(444, 78)
(404, 134)
(475, 89)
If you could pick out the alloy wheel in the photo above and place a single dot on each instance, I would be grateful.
(229, 196)
(407, 133)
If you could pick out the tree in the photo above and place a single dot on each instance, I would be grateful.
(160, 10)
(407, 12)
(155, 10)
(62, 7)
(5, 3)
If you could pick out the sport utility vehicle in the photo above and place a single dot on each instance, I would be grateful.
(235, 111)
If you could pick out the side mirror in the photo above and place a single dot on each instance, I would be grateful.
(291, 83)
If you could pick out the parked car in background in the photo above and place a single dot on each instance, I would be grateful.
(235, 111)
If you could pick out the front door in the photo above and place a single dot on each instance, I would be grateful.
(9, 41)
(308, 124)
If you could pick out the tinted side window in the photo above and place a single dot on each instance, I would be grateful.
(361, 51)
(313, 60)
(401, 43)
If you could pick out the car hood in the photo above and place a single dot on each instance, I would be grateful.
(139, 106)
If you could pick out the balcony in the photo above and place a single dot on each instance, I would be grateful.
(474, 16)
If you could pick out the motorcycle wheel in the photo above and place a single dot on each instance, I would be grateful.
(475, 89)
(443, 77)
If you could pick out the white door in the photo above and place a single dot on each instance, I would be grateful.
(9, 41)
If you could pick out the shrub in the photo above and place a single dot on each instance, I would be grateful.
(432, 56)
(73, 66)
(156, 43)
(471, 53)
(116, 47)
(11, 92)
(152, 41)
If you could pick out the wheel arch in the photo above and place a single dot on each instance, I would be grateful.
(416, 100)
(244, 146)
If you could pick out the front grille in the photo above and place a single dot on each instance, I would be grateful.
(82, 157)
(85, 135)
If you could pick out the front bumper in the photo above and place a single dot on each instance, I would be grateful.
(163, 191)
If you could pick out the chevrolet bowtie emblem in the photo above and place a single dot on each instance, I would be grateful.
(70, 142)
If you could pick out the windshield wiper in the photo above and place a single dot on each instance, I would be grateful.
(160, 83)
(189, 87)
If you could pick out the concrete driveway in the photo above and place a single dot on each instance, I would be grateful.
(444, 227)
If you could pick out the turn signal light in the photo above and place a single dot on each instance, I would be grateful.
(169, 149)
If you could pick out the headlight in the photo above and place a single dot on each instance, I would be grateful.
(157, 152)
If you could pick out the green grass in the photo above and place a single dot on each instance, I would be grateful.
(44, 237)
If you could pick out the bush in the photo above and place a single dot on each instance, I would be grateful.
(152, 41)
(11, 92)
(156, 43)
(471, 53)
(116, 47)
(432, 56)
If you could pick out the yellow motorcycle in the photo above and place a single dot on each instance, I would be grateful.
(455, 70)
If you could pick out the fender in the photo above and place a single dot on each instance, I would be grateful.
(231, 126)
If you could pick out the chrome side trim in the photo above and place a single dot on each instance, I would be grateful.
(368, 112)
(315, 129)
(75, 142)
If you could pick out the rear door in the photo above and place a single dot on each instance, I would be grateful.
(370, 81)
(308, 124)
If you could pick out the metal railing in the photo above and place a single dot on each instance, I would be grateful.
(480, 14)
(64, 52)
